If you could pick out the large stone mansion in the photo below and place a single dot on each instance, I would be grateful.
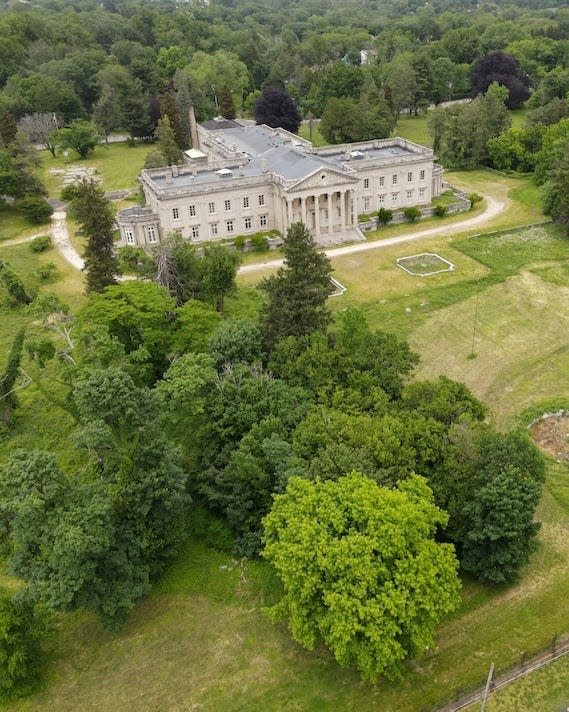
(242, 179)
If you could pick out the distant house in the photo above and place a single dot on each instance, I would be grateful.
(243, 179)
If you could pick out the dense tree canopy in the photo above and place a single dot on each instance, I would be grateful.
(276, 107)
(361, 569)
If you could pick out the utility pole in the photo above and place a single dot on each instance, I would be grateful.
(487, 689)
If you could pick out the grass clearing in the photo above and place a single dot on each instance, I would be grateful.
(13, 226)
(118, 164)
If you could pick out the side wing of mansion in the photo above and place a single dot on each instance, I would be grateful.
(244, 179)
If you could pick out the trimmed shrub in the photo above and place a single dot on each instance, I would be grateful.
(46, 272)
(384, 216)
(41, 243)
(474, 198)
(412, 214)
(441, 210)
(239, 242)
(259, 242)
(35, 209)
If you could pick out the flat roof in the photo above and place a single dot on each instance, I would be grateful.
(267, 151)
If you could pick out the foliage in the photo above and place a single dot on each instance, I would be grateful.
(41, 243)
(297, 293)
(104, 537)
(499, 528)
(412, 214)
(13, 284)
(276, 107)
(81, 136)
(167, 144)
(384, 216)
(137, 316)
(218, 267)
(556, 201)
(8, 398)
(95, 215)
(505, 70)
(379, 583)
(235, 341)
(41, 128)
(441, 210)
(35, 209)
(22, 628)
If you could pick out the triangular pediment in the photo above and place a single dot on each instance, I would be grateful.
(324, 178)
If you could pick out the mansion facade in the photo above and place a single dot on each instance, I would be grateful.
(241, 179)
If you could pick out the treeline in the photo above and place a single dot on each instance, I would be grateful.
(112, 62)
(175, 408)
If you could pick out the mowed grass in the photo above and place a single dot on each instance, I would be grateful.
(13, 226)
(118, 165)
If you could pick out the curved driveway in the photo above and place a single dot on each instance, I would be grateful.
(493, 208)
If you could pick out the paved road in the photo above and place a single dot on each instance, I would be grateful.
(62, 241)
(493, 208)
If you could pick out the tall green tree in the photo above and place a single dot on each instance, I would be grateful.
(218, 267)
(8, 398)
(556, 201)
(167, 143)
(297, 294)
(361, 569)
(95, 215)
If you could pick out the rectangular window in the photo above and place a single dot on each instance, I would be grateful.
(394, 196)
(229, 225)
(175, 213)
(421, 192)
(247, 223)
(366, 183)
(245, 202)
(263, 220)
(394, 179)
(129, 237)
(228, 204)
(366, 203)
(151, 233)
(381, 199)
(409, 177)
(192, 211)
(422, 175)
(261, 200)
(211, 207)
(213, 228)
(195, 232)
(381, 180)
(409, 194)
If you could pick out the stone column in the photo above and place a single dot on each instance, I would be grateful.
(289, 212)
(316, 215)
(343, 210)
(303, 209)
(330, 214)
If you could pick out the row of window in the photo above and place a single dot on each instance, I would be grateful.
(152, 237)
(409, 195)
(211, 206)
(394, 179)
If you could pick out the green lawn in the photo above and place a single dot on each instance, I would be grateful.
(414, 128)
(118, 164)
(14, 226)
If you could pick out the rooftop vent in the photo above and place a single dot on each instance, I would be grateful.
(224, 172)
(356, 154)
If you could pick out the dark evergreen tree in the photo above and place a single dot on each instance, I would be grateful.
(13, 284)
(95, 215)
(169, 107)
(8, 398)
(276, 108)
(297, 294)
(226, 104)
(8, 127)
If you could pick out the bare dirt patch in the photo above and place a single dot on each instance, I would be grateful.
(551, 434)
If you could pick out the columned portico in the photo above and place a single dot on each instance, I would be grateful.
(322, 213)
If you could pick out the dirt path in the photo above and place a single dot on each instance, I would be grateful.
(60, 236)
(493, 208)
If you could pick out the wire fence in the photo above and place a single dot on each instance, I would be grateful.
(557, 647)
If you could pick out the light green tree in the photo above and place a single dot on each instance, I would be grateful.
(361, 569)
